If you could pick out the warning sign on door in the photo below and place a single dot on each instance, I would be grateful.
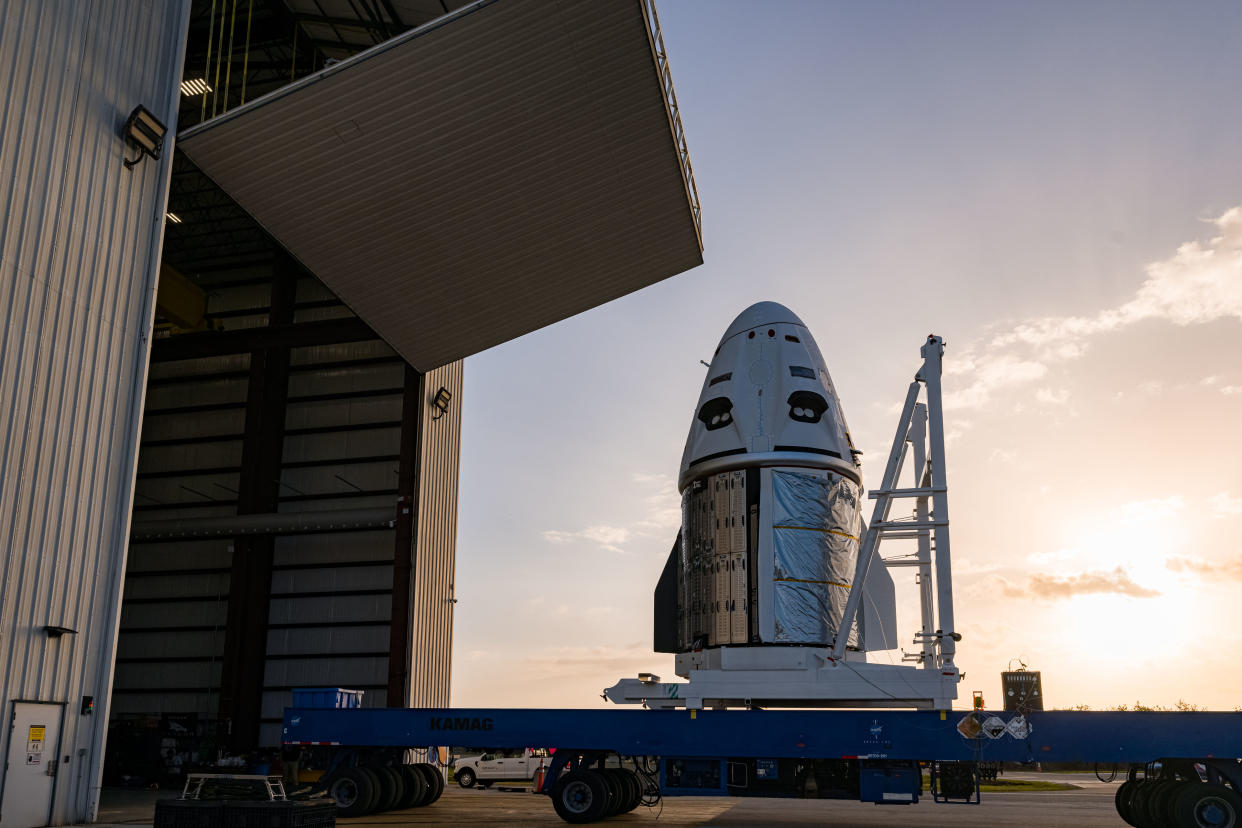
(34, 744)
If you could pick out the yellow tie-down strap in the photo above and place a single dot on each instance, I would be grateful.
(817, 529)
(805, 581)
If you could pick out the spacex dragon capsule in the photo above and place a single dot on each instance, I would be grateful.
(752, 598)
(771, 494)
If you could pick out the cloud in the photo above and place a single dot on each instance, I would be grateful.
(1225, 505)
(575, 661)
(1201, 282)
(658, 505)
(1047, 396)
(1095, 582)
(662, 504)
(1150, 511)
(1231, 390)
(1230, 571)
(606, 537)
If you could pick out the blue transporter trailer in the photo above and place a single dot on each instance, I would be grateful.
(1185, 767)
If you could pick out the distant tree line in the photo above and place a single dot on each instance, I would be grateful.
(1180, 706)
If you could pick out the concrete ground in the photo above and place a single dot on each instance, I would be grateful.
(1089, 807)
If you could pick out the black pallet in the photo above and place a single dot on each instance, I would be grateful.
(187, 813)
(279, 815)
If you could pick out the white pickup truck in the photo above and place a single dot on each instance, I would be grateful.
(501, 765)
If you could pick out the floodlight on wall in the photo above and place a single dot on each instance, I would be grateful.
(145, 133)
(441, 402)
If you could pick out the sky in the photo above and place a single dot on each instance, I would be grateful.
(1055, 189)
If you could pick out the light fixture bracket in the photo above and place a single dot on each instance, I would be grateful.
(145, 133)
(441, 402)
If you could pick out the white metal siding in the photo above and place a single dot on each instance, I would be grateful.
(435, 553)
(79, 248)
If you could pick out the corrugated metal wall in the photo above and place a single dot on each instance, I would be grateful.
(435, 554)
(79, 248)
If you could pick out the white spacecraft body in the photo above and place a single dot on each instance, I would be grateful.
(759, 583)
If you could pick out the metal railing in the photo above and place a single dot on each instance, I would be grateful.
(656, 38)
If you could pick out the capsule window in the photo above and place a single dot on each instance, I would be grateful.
(801, 371)
(789, 338)
(716, 413)
(721, 378)
(806, 406)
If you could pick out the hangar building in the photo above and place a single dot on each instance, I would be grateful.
(231, 366)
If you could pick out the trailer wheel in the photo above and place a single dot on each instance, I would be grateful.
(616, 791)
(387, 793)
(353, 791)
(1200, 805)
(1124, 801)
(416, 787)
(434, 779)
(635, 790)
(580, 796)
(1160, 803)
(465, 778)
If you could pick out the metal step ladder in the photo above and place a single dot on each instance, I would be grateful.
(920, 428)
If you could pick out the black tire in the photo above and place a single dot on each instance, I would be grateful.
(1200, 805)
(353, 790)
(435, 781)
(1138, 803)
(627, 802)
(416, 787)
(635, 790)
(1124, 801)
(398, 779)
(1156, 810)
(466, 778)
(580, 797)
(485, 784)
(630, 792)
(388, 794)
(616, 790)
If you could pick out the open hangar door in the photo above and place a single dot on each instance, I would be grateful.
(294, 516)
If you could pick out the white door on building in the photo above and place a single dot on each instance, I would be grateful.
(29, 777)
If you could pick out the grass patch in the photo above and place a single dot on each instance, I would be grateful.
(1003, 785)
(1015, 785)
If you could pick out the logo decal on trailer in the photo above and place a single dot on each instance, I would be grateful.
(993, 727)
(1018, 727)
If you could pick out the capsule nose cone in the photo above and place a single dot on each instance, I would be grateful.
(762, 313)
